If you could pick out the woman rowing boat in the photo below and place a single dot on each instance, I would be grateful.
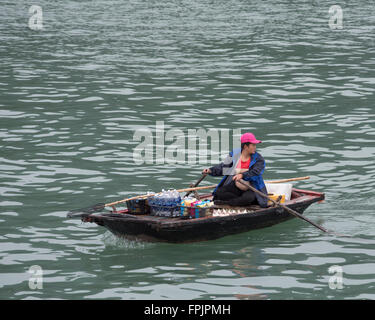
(243, 166)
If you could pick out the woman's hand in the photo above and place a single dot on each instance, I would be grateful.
(238, 177)
(206, 171)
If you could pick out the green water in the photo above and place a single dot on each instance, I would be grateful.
(73, 94)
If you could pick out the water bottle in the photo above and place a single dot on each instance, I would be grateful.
(177, 202)
(157, 204)
(165, 204)
(169, 203)
(162, 203)
(173, 203)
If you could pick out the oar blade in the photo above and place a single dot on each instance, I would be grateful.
(77, 213)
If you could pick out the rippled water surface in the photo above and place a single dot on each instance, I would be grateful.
(73, 94)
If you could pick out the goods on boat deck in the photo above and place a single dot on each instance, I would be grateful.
(284, 189)
(194, 209)
(165, 204)
(169, 218)
(169, 204)
(275, 197)
(224, 220)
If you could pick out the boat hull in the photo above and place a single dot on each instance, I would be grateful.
(175, 230)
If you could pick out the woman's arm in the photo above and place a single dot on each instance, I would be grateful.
(218, 169)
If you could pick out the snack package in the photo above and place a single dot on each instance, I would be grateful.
(193, 209)
(187, 203)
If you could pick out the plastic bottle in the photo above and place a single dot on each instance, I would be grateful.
(159, 204)
(166, 203)
(162, 203)
(173, 203)
(168, 200)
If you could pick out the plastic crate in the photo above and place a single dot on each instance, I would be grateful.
(179, 210)
(164, 211)
(188, 212)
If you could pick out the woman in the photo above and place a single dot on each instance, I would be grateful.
(245, 165)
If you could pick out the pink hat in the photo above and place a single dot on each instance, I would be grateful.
(249, 137)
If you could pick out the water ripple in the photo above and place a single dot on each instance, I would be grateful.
(73, 95)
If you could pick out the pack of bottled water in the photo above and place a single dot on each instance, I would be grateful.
(165, 204)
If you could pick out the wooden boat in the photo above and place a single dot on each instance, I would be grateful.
(151, 228)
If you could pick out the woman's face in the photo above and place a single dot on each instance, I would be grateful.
(251, 148)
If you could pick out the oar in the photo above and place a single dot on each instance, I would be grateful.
(288, 180)
(204, 175)
(100, 206)
(295, 213)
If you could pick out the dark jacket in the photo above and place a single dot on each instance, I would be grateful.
(253, 175)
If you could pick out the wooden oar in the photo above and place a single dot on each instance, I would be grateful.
(288, 180)
(204, 175)
(295, 213)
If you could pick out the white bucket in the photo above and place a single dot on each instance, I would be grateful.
(280, 189)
